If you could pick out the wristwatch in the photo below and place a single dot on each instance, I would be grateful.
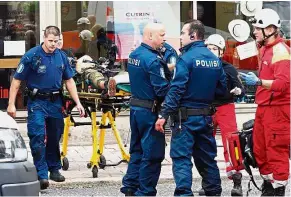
(160, 116)
(259, 82)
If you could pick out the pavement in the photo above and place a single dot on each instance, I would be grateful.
(80, 150)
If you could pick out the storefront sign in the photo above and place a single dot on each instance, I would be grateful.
(247, 50)
(131, 17)
(14, 48)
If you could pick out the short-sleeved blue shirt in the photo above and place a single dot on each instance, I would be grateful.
(44, 71)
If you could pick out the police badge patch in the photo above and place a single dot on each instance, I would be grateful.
(162, 72)
(20, 68)
(173, 60)
(41, 69)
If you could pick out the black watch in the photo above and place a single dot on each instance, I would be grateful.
(160, 116)
(259, 82)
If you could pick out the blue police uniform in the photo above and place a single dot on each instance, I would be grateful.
(199, 77)
(169, 53)
(44, 72)
(170, 56)
(147, 146)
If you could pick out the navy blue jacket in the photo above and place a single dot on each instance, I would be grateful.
(146, 74)
(169, 53)
(44, 71)
(199, 77)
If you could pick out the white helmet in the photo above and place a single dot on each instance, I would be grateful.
(83, 20)
(81, 65)
(217, 40)
(266, 17)
(86, 35)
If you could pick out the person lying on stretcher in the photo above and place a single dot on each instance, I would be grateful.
(97, 79)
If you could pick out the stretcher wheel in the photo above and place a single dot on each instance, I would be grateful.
(95, 172)
(89, 165)
(102, 162)
(66, 164)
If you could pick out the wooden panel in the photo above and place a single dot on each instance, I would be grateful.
(9, 63)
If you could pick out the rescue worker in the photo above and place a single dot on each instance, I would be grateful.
(148, 87)
(271, 137)
(225, 109)
(199, 76)
(85, 38)
(43, 68)
(96, 50)
(83, 23)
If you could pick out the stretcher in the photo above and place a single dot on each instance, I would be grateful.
(110, 108)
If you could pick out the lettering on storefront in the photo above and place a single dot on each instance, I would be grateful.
(137, 14)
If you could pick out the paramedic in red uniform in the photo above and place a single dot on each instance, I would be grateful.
(225, 114)
(271, 135)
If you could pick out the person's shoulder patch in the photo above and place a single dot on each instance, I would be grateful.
(20, 68)
(280, 53)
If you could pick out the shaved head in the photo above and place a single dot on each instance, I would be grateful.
(153, 35)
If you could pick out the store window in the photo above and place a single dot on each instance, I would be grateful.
(116, 27)
(19, 27)
(216, 16)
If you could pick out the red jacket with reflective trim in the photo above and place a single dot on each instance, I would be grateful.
(274, 64)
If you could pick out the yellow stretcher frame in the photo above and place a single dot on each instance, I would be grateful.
(94, 101)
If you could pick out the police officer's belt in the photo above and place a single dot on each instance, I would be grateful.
(142, 103)
(199, 112)
(184, 112)
(53, 96)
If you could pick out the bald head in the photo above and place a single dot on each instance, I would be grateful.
(153, 35)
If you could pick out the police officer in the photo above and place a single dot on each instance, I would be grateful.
(43, 68)
(148, 88)
(225, 114)
(199, 76)
(271, 135)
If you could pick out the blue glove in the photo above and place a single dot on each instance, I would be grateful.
(250, 78)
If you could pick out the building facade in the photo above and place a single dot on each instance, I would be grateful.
(22, 24)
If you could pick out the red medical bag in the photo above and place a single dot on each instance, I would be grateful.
(234, 150)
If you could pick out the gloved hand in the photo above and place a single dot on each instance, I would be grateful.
(236, 91)
(250, 78)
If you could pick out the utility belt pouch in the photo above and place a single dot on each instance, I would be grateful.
(183, 116)
(154, 107)
(32, 93)
(55, 96)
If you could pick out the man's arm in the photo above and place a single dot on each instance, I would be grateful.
(235, 80)
(221, 87)
(177, 90)
(15, 84)
(158, 79)
(173, 97)
(71, 87)
(282, 77)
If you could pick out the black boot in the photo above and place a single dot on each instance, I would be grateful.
(280, 191)
(201, 192)
(129, 193)
(44, 184)
(237, 188)
(57, 177)
(267, 189)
